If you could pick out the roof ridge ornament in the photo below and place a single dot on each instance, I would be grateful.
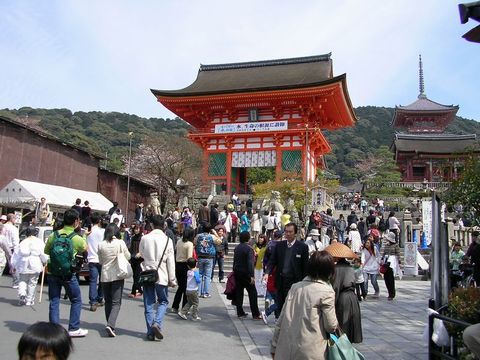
(421, 79)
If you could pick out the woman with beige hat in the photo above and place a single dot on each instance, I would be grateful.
(347, 307)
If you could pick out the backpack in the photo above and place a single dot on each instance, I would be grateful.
(61, 255)
(234, 220)
(382, 225)
(205, 246)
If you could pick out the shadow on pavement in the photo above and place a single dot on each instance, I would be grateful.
(16, 326)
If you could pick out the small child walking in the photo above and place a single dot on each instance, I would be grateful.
(193, 279)
(360, 289)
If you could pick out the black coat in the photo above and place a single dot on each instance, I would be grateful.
(298, 261)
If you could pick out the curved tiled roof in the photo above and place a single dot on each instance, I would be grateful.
(433, 143)
(257, 76)
(425, 104)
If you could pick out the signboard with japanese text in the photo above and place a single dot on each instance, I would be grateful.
(251, 127)
(427, 220)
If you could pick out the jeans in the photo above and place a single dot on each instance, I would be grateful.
(205, 269)
(271, 296)
(26, 286)
(341, 236)
(152, 294)
(373, 280)
(55, 284)
(220, 261)
(95, 293)
(261, 288)
(113, 300)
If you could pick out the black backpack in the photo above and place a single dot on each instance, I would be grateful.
(382, 225)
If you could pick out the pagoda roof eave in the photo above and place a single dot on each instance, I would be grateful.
(337, 85)
(178, 93)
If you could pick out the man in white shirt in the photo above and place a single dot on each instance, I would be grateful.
(157, 251)
(95, 294)
(10, 231)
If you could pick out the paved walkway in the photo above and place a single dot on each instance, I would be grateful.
(392, 330)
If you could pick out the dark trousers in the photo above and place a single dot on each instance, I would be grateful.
(243, 282)
(112, 292)
(181, 270)
(282, 291)
(361, 290)
(390, 282)
(232, 235)
(137, 269)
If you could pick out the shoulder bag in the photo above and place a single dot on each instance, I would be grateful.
(123, 266)
(340, 348)
(150, 277)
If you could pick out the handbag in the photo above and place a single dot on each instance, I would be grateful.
(340, 348)
(150, 277)
(383, 268)
(123, 266)
(230, 286)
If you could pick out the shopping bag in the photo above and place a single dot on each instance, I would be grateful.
(124, 269)
(340, 348)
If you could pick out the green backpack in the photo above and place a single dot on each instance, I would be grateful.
(61, 255)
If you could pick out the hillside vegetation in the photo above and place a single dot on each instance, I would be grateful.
(106, 133)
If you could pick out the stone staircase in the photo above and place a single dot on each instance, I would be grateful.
(228, 262)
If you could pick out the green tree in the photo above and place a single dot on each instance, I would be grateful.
(260, 175)
(465, 190)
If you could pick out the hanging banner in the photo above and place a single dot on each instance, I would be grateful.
(251, 127)
(427, 220)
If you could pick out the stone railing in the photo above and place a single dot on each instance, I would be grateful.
(410, 185)
(463, 236)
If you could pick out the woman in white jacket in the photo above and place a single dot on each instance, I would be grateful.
(371, 264)
(112, 284)
(28, 261)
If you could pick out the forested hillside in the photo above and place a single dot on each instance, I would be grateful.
(106, 133)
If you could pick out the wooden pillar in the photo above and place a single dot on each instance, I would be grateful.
(229, 171)
(278, 165)
(305, 157)
(430, 176)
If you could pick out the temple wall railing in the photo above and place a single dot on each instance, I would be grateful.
(410, 185)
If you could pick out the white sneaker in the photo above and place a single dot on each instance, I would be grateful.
(78, 333)
(264, 317)
(30, 303)
(198, 318)
(183, 316)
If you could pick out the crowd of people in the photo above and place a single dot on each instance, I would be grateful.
(329, 267)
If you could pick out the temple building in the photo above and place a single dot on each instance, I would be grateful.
(262, 114)
(423, 151)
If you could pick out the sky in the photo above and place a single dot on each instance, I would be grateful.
(106, 55)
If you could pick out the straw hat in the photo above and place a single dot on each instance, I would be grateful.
(314, 232)
(339, 250)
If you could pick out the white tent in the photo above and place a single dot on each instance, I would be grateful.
(19, 193)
